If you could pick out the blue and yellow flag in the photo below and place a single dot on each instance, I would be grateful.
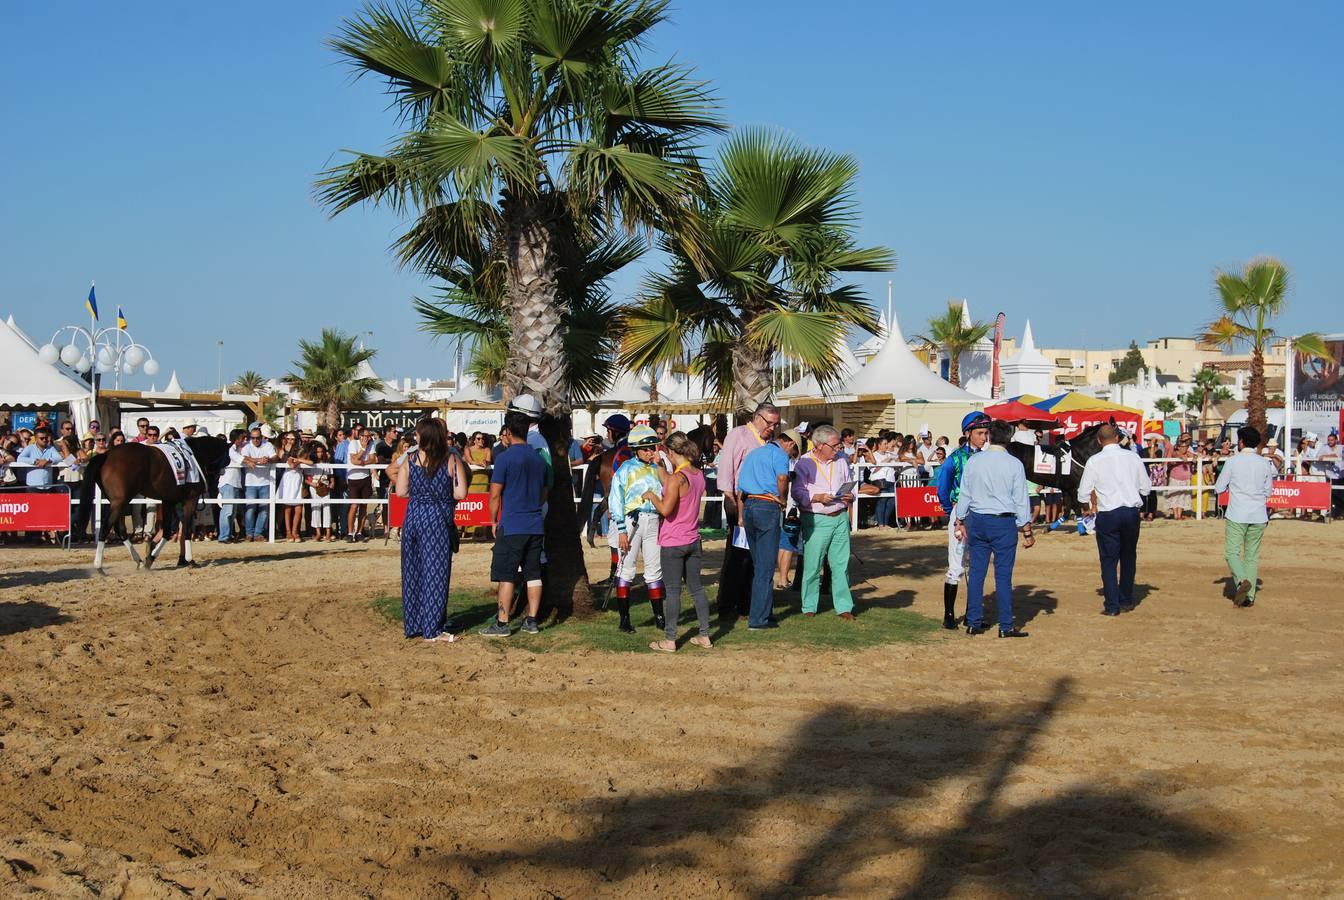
(92, 303)
(121, 320)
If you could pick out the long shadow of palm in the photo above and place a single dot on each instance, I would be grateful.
(865, 775)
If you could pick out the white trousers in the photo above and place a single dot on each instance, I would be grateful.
(643, 542)
(957, 554)
(321, 514)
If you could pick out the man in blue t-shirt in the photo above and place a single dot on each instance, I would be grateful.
(517, 496)
(762, 494)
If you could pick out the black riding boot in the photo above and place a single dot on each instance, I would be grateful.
(950, 607)
(623, 604)
(658, 619)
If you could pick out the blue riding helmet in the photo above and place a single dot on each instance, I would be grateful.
(975, 420)
(617, 423)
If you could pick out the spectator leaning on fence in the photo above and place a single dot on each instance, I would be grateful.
(258, 455)
(231, 485)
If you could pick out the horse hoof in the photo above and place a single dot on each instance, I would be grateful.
(100, 570)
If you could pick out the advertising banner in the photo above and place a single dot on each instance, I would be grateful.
(472, 511)
(1295, 495)
(35, 511)
(918, 502)
(1074, 423)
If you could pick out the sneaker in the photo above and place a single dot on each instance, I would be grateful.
(496, 629)
(530, 625)
(766, 626)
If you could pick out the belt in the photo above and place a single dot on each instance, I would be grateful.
(993, 515)
(838, 512)
(768, 498)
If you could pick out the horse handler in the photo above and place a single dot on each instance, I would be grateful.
(1117, 482)
(975, 426)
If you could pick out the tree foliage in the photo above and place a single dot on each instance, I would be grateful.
(327, 374)
(1129, 368)
(952, 335)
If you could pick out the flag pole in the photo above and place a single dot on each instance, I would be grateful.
(1289, 386)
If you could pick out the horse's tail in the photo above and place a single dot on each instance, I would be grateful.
(586, 498)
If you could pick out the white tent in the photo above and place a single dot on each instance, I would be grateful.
(474, 392)
(895, 372)
(808, 386)
(26, 381)
(383, 393)
(629, 388)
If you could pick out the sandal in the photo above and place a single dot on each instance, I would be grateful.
(445, 637)
(702, 640)
(661, 647)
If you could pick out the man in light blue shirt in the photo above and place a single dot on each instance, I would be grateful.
(1248, 478)
(43, 458)
(991, 506)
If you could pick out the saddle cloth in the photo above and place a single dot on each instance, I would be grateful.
(183, 462)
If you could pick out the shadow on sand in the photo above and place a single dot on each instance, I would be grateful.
(28, 615)
(862, 796)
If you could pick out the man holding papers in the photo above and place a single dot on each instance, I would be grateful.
(819, 480)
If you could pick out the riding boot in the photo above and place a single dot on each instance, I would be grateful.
(623, 605)
(950, 607)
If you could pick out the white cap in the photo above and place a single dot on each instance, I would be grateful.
(1313, 437)
(924, 431)
(527, 405)
(190, 423)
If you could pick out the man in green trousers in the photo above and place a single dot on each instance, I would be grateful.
(1248, 478)
(817, 479)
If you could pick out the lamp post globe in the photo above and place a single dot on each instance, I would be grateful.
(48, 355)
(135, 356)
(70, 354)
(151, 367)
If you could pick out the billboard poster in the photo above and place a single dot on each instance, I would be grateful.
(1318, 385)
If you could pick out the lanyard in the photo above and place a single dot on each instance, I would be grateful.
(684, 465)
(830, 467)
(760, 442)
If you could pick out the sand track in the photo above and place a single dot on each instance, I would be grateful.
(253, 728)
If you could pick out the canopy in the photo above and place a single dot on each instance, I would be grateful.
(27, 381)
(807, 386)
(1074, 402)
(1015, 411)
(895, 372)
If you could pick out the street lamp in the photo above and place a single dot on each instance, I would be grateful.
(109, 350)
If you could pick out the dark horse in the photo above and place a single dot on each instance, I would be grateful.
(702, 436)
(1080, 449)
(129, 470)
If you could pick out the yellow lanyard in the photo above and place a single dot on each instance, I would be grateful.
(684, 465)
(830, 467)
(760, 442)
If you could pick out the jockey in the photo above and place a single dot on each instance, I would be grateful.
(975, 426)
(618, 426)
(637, 523)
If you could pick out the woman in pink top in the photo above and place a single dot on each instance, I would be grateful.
(679, 538)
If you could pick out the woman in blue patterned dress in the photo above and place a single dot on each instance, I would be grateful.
(434, 480)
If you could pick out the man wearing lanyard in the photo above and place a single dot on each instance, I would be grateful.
(975, 426)
(1116, 481)
(737, 576)
(816, 480)
(990, 508)
(762, 493)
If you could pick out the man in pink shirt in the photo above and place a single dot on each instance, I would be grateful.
(735, 580)
(817, 479)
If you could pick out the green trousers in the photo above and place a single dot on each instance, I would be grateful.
(826, 536)
(1241, 546)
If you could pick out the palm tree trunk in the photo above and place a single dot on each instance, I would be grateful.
(534, 230)
(752, 382)
(954, 366)
(332, 416)
(1255, 395)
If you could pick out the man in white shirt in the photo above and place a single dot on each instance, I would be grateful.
(926, 449)
(1329, 463)
(358, 483)
(1116, 482)
(258, 455)
(231, 484)
(1248, 478)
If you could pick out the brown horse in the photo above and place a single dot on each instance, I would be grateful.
(130, 470)
(600, 470)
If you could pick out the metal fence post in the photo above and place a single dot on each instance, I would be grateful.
(270, 514)
(1199, 489)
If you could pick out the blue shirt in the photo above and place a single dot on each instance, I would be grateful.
(949, 476)
(1248, 478)
(523, 474)
(994, 483)
(30, 454)
(341, 453)
(761, 468)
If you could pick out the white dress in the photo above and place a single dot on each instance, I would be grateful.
(291, 484)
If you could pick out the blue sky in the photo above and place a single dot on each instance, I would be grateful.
(1084, 167)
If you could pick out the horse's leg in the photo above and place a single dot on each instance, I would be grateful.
(103, 532)
(184, 540)
(120, 509)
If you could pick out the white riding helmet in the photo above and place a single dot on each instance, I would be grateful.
(527, 405)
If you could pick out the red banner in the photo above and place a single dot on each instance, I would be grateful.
(472, 511)
(1074, 423)
(35, 512)
(1294, 495)
(918, 503)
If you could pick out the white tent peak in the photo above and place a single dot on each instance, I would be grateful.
(27, 381)
(896, 371)
(174, 386)
(1028, 341)
(808, 386)
(1028, 355)
(473, 391)
(965, 314)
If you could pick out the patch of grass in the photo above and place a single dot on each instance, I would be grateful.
(713, 534)
(873, 626)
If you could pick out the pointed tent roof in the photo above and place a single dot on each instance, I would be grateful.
(874, 343)
(476, 393)
(25, 380)
(629, 388)
(808, 386)
(174, 386)
(1028, 355)
(382, 393)
(896, 372)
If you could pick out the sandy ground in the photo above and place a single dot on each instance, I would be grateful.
(252, 728)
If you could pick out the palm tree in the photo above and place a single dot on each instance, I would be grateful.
(953, 336)
(1206, 382)
(754, 271)
(1165, 405)
(1247, 302)
(532, 121)
(327, 374)
(250, 382)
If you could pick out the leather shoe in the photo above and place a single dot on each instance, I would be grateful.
(1243, 591)
(848, 617)
(975, 629)
(1107, 612)
(810, 615)
(626, 626)
(1013, 632)
(1247, 604)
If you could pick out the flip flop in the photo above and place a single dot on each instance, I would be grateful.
(658, 645)
(446, 637)
(701, 640)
